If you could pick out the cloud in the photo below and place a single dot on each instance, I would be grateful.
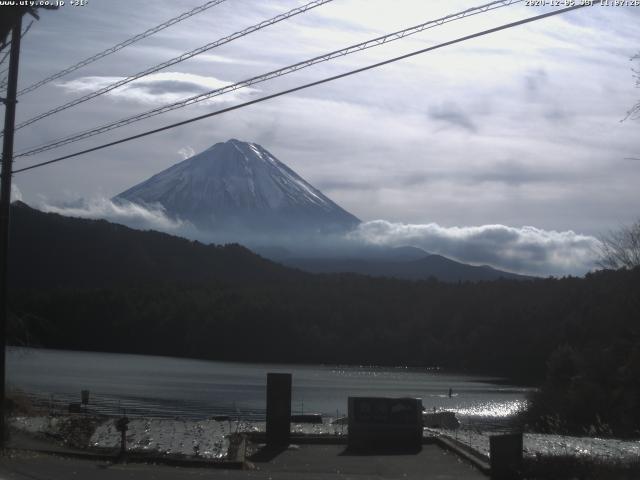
(209, 57)
(155, 217)
(16, 194)
(157, 88)
(186, 152)
(125, 213)
(535, 81)
(526, 249)
(451, 113)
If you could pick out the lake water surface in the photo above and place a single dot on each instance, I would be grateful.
(185, 388)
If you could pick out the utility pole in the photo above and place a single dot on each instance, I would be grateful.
(5, 208)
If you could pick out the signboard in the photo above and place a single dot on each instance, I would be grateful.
(380, 422)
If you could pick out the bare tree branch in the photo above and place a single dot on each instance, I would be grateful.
(634, 113)
(621, 248)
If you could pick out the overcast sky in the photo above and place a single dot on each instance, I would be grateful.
(456, 151)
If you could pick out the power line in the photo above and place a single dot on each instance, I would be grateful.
(173, 61)
(308, 85)
(270, 75)
(121, 45)
(4, 57)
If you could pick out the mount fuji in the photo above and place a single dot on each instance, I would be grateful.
(239, 192)
(241, 187)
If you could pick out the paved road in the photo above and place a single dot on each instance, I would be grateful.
(307, 462)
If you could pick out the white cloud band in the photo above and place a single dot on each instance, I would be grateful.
(126, 213)
(526, 249)
(157, 88)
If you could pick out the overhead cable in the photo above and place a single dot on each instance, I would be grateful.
(270, 75)
(121, 45)
(305, 86)
(175, 60)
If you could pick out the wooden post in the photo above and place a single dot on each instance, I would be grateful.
(122, 425)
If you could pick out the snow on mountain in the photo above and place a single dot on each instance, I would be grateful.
(240, 185)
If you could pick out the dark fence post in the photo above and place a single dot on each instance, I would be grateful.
(84, 396)
(122, 425)
(278, 408)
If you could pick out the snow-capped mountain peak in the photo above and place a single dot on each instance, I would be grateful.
(239, 184)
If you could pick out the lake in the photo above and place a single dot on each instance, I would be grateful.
(185, 388)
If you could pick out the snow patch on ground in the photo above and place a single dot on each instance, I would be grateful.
(37, 425)
(209, 438)
(200, 438)
(535, 444)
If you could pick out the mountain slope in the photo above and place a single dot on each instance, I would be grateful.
(430, 266)
(241, 186)
(50, 250)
